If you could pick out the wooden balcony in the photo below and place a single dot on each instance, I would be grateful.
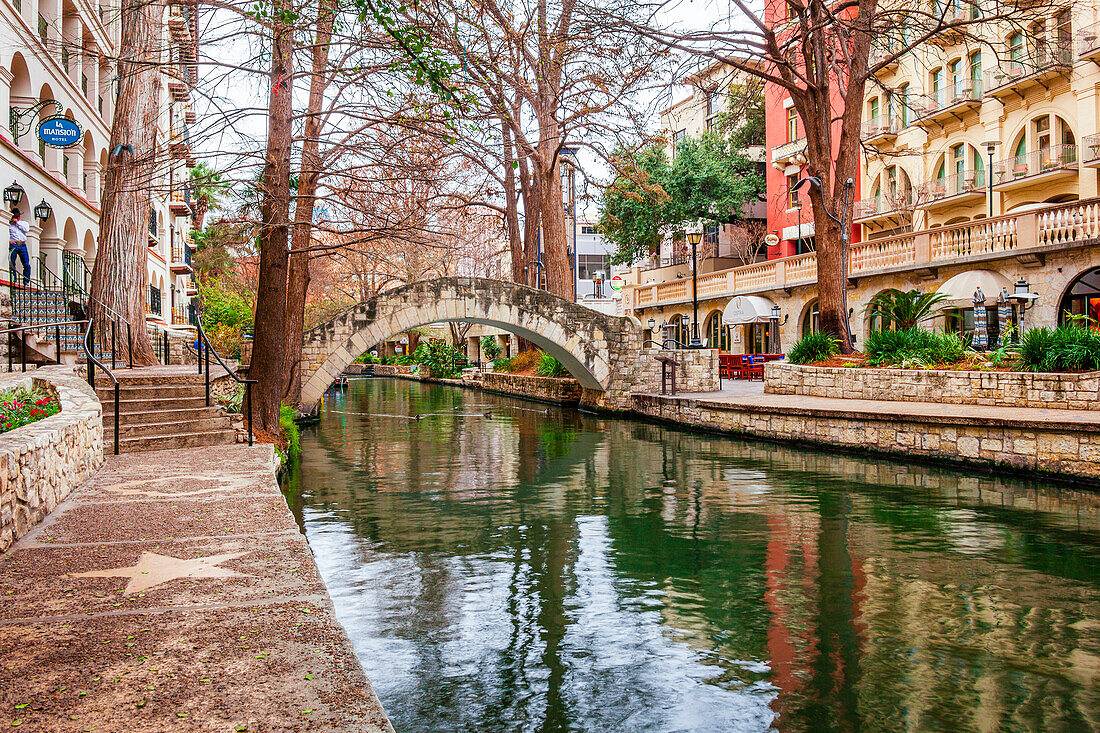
(1048, 165)
(1012, 77)
(1013, 236)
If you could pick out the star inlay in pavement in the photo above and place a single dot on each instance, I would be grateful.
(153, 569)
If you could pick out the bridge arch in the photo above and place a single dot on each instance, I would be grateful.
(585, 341)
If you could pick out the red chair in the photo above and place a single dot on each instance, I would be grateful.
(728, 366)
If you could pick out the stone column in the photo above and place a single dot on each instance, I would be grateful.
(51, 247)
(75, 156)
(91, 181)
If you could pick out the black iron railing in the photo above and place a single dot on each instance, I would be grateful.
(19, 333)
(205, 350)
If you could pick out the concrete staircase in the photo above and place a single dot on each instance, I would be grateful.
(159, 408)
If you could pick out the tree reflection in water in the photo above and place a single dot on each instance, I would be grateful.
(553, 571)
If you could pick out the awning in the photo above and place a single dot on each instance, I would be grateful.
(960, 289)
(747, 309)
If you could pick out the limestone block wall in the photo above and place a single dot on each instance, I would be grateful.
(42, 462)
(563, 391)
(1069, 449)
(1005, 389)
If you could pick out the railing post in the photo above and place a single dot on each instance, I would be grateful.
(11, 362)
(90, 342)
(57, 341)
(248, 399)
(114, 343)
(129, 345)
(23, 347)
(206, 351)
(167, 354)
(116, 417)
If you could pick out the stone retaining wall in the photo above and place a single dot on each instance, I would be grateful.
(1071, 449)
(391, 370)
(42, 462)
(563, 391)
(1005, 389)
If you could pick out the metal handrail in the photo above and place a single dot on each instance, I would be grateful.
(93, 363)
(22, 330)
(664, 342)
(207, 349)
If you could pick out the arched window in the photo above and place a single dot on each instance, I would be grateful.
(1081, 303)
(810, 321)
(716, 333)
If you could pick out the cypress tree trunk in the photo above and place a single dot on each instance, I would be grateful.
(269, 341)
(119, 274)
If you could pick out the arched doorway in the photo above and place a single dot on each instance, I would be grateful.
(716, 334)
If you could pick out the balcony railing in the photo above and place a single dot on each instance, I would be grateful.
(1009, 73)
(1037, 162)
(954, 184)
(181, 254)
(1090, 148)
(879, 127)
(787, 151)
(1088, 41)
(1059, 225)
(964, 92)
(883, 205)
(152, 304)
(180, 315)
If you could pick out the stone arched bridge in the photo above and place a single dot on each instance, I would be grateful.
(600, 351)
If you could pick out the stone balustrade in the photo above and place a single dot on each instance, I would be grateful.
(42, 462)
(1058, 226)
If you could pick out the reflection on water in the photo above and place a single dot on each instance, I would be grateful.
(504, 567)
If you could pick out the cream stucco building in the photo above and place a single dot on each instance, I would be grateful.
(56, 59)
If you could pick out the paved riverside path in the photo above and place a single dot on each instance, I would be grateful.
(173, 591)
(749, 395)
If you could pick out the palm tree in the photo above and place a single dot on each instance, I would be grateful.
(207, 192)
(904, 309)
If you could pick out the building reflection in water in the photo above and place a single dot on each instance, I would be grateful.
(544, 570)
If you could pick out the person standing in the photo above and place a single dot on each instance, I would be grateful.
(17, 246)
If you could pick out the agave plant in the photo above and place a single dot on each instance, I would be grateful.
(904, 309)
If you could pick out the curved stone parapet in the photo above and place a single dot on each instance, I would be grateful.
(42, 462)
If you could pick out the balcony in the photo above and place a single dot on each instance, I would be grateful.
(792, 153)
(179, 140)
(1039, 166)
(1014, 76)
(177, 83)
(152, 302)
(179, 24)
(882, 209)
(1090, 151)
(888, 57)
(952, 190)
(954, 29)
(189, 115)
(1014, 236)
(181, 259)
(879, 129)
(1088, 42)
(956, 100)
(179, 201)
(180, 316)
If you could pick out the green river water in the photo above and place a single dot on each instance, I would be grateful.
(504, 566)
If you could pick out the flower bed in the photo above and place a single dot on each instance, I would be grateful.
(21, 406)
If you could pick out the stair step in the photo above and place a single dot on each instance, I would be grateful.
(183, 426)
(130, 391)
(166, 442)
(157, 416)
(151, 404)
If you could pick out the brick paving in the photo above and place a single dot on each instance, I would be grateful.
(173, 591)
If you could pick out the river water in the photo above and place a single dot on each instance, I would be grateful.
(504, 566)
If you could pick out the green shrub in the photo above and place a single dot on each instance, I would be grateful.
(550, 367)
(813, 347)
(490, 348)
(439, 356)
(289, 431)
(1067, 348)
(233, 400)
(914, 347)
(20, 406)
(505, 365)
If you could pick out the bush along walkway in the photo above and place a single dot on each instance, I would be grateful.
(174, 591)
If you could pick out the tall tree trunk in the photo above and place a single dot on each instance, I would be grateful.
(531, 224)
(511, 205)
(555, 247)
(119, 275)
(269, 344)
(298, 268)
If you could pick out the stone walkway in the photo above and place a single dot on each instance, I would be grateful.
(174, 592)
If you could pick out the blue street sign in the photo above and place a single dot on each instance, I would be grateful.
(59, 132)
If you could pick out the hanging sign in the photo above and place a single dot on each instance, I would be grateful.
(59, 132)
(771, 240)
(617, 283)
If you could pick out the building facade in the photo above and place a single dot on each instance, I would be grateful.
(942, 213)
(56, 59)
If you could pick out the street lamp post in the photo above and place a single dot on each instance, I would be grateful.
(694, 237)
(775, 314)
(990, 146)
